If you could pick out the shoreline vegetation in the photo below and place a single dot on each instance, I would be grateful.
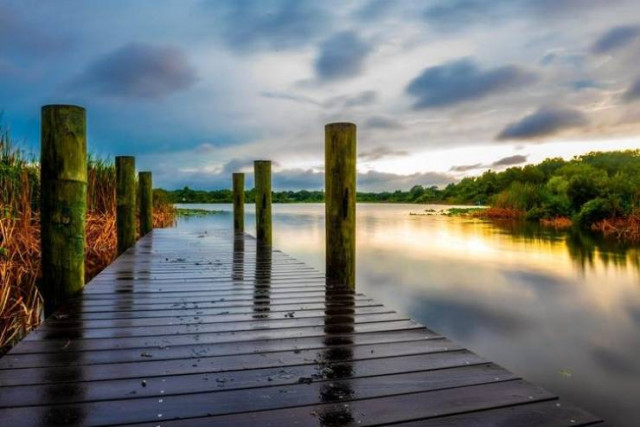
(597, 191)
(20, 300)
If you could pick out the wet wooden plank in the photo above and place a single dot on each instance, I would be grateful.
(255, 399)
(206, 329)
(59, 392)
(548, 414)
(384, 410)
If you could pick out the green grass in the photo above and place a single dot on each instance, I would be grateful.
(197, 212)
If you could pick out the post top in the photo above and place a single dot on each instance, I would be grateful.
(262, 161)
(144, 173)
(343, 125)
(125, 157)
(57, 106)
(238, 174)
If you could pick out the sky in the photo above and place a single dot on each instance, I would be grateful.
(439, 89)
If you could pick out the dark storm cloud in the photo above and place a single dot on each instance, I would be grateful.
(139, 71)
(505, 161)
(341, 56)
(633, 93)
(304, 179)
(616, 38)
(382, 122)
(375, 9)
(26, 40)
(382, 152)
(359, 99)
(466, 168)
(546, 121)
(510, 161)
(453, 15)
(382, 181)
(461, 81)
(241, 165)
(458, 15)
(247, 25)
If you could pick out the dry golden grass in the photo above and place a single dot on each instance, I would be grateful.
(558, 223)
(627, 229)
(499, 213)
(20, 301)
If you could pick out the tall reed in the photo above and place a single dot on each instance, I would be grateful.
(20, 301)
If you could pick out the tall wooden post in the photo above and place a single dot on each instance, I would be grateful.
(340, 205)
(126, 202)
(262, 174)
(238, 202)
(63, 202)
(145, 185)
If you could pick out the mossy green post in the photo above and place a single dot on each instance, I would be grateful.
(340, 205)
(63, 203)
(146, 202)
(238, 202)
(126, 202)
(262, 174)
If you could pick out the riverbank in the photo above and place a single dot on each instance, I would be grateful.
(626, 229)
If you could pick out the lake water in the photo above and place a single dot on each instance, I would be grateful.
(560, 309)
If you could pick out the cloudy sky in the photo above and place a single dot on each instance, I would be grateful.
(439, 89)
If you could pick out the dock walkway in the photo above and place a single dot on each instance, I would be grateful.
(207, 329)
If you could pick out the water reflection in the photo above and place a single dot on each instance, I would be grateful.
(237, 266)
(64, 384)
(262, 283)
(560, 308)
(335, 362)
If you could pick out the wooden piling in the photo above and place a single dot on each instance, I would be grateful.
(238, 202)
(126, 202)
(340, 205)
(145, 185)
(262, 175)
(63, 202)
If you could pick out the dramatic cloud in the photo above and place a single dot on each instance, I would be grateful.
(616, 38)
(466, 168)
(452, 15)
(139, 71)
(375, 9)
(382, 152)
(381, 122)
(546, 121)
(458, 15)
(510, 161)
(247, 25)
(381, 181)
(359, 99)
(462, 81)
(505, 161)
(341, 56)
(633, 93)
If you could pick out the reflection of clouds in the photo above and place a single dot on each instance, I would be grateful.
(615, 363)
(465, 320)
(534, 300)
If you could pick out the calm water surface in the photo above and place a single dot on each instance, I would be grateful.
(560, 309)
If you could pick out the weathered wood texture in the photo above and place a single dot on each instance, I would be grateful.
(215, 329)
(126, 202)
(238, 202)
(262, 176)
(340, 206)
(145, 184)
(63, 202)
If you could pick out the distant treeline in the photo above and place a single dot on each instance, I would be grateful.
(587, 188)
(417, 194)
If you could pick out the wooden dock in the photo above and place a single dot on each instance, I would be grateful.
(207, 329)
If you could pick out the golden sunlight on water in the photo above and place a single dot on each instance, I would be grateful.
(562, 309)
